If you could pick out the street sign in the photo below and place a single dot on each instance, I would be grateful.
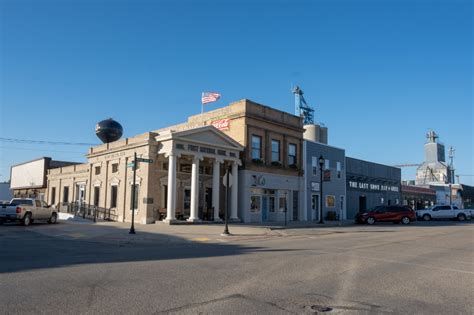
(224, 179)
(131, 164)
(144, 160)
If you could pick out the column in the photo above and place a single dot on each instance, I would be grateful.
(171, 206)
(194, 191)
(234, 191)
(215, 189)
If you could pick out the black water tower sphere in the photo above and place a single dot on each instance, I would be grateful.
(108, 130)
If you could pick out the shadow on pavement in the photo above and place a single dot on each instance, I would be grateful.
(23, 248)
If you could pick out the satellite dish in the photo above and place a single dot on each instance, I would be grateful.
(108, 130)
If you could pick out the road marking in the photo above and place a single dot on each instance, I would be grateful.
(200, 239)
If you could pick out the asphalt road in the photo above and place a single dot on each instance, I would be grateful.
(418, 269)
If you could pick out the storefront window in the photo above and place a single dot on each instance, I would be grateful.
(330, 201)
(282, 202)
(255, 203)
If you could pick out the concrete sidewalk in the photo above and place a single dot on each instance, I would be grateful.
(161, 232)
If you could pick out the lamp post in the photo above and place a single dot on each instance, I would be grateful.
(321, 163)
(132, 227)
(286, 209)
(226, 213)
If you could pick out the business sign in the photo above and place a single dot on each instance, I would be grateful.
(376, 187)
(327, 175)
(314, 186)
(221, 124)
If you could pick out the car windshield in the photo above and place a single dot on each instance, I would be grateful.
(378, 208)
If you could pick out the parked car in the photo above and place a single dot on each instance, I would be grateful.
(396, 214)
(27, 210)
(444, 212)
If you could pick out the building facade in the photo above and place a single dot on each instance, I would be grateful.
(370, 185)
(259, 146)
(333, 185)
(29, 179)
(418, 197)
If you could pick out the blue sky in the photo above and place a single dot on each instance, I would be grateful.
(380, 74)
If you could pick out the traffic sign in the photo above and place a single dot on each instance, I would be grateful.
(144, 160)
(224, 179)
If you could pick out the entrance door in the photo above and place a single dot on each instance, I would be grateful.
(264, 208)
(314, 206)
(362, 203)
(80, 193)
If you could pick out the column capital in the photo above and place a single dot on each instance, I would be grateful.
(218, 160)
(197, 158)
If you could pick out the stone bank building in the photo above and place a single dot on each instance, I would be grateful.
(261, 147)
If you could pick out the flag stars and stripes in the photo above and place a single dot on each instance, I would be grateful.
(209, 97)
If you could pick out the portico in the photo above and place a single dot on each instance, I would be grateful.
(209, 153)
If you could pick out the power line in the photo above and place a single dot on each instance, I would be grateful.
(25, 141)
(41, 150)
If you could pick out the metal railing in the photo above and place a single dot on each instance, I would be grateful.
(89, 212)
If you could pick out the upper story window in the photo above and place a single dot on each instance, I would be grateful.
(115, 168)
(256, 147)
(326, 164)
(275, 151)
(97, 170)
(314, 165)
(338, 169)
(292, 154)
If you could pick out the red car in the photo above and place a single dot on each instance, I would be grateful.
(395, 214)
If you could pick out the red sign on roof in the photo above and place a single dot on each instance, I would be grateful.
(221, 124)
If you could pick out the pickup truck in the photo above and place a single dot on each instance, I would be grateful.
(27, 210)
(443, 212)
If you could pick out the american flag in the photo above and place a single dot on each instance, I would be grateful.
(209, 97)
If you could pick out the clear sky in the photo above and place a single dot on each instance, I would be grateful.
(380, 74)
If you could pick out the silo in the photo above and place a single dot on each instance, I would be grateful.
(310, 132)
(316, 133)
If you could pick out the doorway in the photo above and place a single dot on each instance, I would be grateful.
(314, 206)
(362, 203)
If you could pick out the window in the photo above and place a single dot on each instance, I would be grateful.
(314, 165)
(96, 195)
(271, 203)
(338, 169)
(115, 168)
(255, 203)
(330, 201)
(256, 147)
(53, 195)
(44, 204)
(326, 164)
(275, 151)
(37, 203)
(113, 196)
(65, 194)
(282, 201)
(292, 154)
(134, 205)
(341, 203)
(97, 170)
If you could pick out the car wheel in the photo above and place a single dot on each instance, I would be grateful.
(370, 220)
(53, 219)
(461, 217)
(26, 220)
(405, 220)
(426, 217)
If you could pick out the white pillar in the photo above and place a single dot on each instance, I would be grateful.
(171, 206)
(194, 191)
(234, 191)
(215, 189)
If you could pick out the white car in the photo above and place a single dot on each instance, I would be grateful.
(445, 212)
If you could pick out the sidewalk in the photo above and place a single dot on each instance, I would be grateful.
(180, 233)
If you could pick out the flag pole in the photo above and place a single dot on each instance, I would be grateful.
(202, 104)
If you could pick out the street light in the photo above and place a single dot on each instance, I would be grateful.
(321, 163)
